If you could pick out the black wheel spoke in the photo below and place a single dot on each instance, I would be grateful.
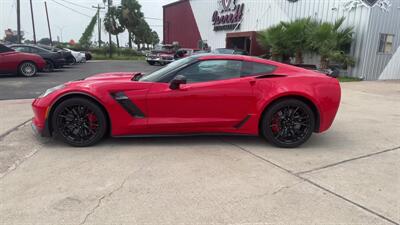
(290, 124)
(78, 123)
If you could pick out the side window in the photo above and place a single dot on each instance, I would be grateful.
(252, 68)
(21, 49)
(212, 70)
(34, 50)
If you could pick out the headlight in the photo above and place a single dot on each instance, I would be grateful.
(51, 90)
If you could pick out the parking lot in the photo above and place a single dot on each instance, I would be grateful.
(348, 175)
(18, 87)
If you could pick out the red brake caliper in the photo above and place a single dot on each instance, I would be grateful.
(92, 120)
(275, 124)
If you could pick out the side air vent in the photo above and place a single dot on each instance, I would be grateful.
(127, 104)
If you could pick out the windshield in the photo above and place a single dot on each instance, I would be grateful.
(164, 48)
(158, 74)
(4, 48)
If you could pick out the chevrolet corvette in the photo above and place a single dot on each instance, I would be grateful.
(201, 94)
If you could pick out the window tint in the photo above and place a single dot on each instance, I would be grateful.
(252, 68)
(212, 70)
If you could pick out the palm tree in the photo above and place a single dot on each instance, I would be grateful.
(297, 37)
(131, 17)
(332, 42)
(272, 39)
(111, 22)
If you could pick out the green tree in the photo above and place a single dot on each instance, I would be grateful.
(85, 40)
(142, 34)
(154, 38)
(332, 42)
(44, 41)
(131, 18)
(297, 36)
(111, 22)
(273, 40)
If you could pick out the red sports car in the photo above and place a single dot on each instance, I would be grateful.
(24, 64)
(203, 94)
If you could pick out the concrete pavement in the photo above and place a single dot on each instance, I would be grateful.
(349, 175)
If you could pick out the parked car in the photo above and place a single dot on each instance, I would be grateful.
(202, 94)
(24, 64)
(69, 58)
(230, 51)
(88, 56)
(53, 59)
(79, 56)
(163, 54)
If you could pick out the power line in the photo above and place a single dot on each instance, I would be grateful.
(73, 3)
(71, 9)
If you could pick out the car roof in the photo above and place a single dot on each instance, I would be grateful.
(210, 56)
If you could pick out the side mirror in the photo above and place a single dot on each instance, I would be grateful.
(177, 81)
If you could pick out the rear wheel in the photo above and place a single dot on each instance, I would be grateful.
(79, 122)
(27, 69)
(288, 123)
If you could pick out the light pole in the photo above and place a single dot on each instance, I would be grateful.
(60, 29)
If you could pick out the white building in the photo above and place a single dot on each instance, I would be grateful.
(228, 23)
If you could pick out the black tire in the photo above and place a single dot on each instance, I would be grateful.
(79, 122)
(27, 69)
(49, 66)
(288, 123)
(151, 63)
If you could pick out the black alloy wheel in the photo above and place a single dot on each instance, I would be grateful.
(27, 69)
(288, 123)
(79, 122)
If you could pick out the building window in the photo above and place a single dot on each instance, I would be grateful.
(386, 43)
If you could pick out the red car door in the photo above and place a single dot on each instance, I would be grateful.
(216, 98)
(8, 60)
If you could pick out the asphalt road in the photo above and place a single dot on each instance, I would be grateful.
(17, 87)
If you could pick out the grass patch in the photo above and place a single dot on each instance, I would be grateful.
(349, 79)
(117, 57)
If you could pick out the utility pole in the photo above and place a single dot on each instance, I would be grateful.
(33, 24)
(98, 21)
(18, 22)
(109, 34)
(48, 23)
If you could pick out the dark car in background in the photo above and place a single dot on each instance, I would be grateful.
(53, 59)
(24, 64)
(69, 58)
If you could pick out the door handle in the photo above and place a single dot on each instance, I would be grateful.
(252, 82)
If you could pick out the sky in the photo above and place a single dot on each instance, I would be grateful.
(67, 23)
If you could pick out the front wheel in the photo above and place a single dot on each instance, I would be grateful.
(49, 66)
(151, 63)
(79, 122)
(27, 69)
(288, 123)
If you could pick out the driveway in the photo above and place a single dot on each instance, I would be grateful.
(348, 175)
